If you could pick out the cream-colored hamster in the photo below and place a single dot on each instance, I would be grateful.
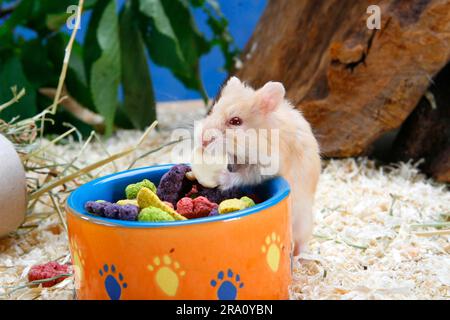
(241, 108)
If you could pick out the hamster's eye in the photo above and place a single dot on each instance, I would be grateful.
(235, 121)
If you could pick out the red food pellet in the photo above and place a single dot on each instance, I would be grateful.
(47, 271)
(202, 207)
(193, 193)
(185, 207)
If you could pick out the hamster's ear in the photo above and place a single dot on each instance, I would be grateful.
(232, 84)
(270, 96)
(234, 81)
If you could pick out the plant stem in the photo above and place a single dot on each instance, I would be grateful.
(15, 99)
(68, 52)
(433, 233)
(431, 225)
(58, 210)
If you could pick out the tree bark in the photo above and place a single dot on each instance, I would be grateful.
(426, 132)
(353, 84)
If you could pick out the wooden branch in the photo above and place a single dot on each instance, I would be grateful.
(75, 108)
(426, 132)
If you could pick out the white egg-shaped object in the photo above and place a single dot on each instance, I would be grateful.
(13, 189)
(207, 167)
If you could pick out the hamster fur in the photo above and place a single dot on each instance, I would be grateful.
(299, 158)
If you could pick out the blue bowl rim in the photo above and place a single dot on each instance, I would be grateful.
(283, 191)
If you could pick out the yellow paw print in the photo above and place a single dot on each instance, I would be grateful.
(272, 250)
(78, 262)
(167, 274)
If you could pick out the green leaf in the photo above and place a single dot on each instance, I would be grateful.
(91, 48)
(37, 66)
(11, 74)
(139, 101)
(173, 39)
(219, 26)
(105, 74)
(121, 119)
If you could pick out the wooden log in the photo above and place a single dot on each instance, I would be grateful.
(426, 132)
(353, 84)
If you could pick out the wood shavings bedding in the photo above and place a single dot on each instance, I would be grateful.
(364, 246)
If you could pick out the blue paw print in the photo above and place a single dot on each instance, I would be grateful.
(227, 288)
(113, 282)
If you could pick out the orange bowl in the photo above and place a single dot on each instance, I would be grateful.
(241, 255)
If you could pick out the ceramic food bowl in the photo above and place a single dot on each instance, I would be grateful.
(240, 255)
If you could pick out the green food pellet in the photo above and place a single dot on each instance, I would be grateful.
(152, 214)
(132, 190)
(147, 198)
(248, 202)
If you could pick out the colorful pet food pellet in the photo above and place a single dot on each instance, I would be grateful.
(112, 210)
(127, 201)
(132, 190)
(128, 212)
(178, 189)
(174, 184)
(185, 206)
(214, 212)
(202, 206)
(152, 214)
(231, 205)
(248, 202)
(95, 207)
(195, 208)
(147, 198)
(168, 204)
(48, 271)
(193, 193)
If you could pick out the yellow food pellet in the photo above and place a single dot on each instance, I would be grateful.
(146, 198)
(127, 201)
(231, 205)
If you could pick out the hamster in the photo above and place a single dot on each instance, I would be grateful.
(241, 108)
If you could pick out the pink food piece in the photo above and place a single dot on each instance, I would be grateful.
(47, 271)
(202, 206)
(193, 191)
(185, 207)
(169, 204)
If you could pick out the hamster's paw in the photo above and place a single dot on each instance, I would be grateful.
(301, 241)
(228, 180)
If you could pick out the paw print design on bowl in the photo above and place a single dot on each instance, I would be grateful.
(167, 274)
(78, 263)
(227, 285)
(114, 282)
(272, 250)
